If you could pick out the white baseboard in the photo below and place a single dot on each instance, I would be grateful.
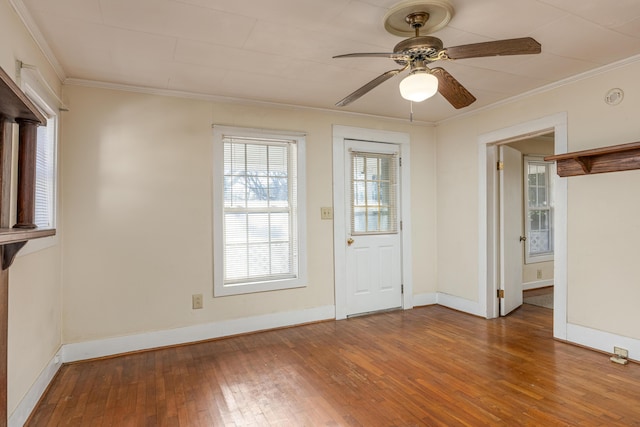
(603, 341)
(581, 335)
(537, 284)
(461, 304)
(425, 299)
(31, 399)
(148, 340)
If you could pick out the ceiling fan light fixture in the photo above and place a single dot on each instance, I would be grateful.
(418, 86)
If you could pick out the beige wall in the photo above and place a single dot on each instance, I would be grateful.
(138, 210)
(530, 272)
(136, 230)
(602, 209)
(35, 283)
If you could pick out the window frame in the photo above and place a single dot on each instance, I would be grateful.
(244, 287)
(549, 175)
(41, 95)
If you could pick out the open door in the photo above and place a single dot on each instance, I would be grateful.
(511, 226)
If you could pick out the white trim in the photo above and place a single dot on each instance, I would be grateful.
(301, 278)
(22, 412)
(68, 353)
(45, 90)
(40, 93)
(340, 133)
(191, 334)
(487, 244)
(461, 304)
(242, 101)
(603, 341)
(537, 284)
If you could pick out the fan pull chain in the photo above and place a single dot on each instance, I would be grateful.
(411, 113)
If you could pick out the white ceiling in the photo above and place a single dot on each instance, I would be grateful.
(281, 50)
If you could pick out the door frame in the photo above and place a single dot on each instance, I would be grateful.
(340, 133)
(488, 249)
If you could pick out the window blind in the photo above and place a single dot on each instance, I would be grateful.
(45, 176)
(260, 204)
(374, 193)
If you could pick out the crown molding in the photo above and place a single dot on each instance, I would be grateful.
(41, 42)
(36, 34)
(229, 100)
(551, 86)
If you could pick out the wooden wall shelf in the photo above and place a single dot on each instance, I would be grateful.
(615, 158)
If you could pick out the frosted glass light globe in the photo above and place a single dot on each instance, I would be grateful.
(418, 86)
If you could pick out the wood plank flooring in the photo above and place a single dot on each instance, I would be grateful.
(429, 366)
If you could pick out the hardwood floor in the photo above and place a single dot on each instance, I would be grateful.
(429, 366)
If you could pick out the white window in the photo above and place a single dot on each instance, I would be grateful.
(538, 196)
(43, 97)
(259, 211)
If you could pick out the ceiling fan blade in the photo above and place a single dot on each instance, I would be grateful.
(521, 46)
(367, 87)
(452, 90)
(394, 56)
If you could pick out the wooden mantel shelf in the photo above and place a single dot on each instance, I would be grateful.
(598, 160)
(15, 107)
(15, 235)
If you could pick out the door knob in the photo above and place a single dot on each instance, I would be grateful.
(350, 241)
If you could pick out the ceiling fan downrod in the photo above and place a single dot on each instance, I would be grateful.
(416, 20)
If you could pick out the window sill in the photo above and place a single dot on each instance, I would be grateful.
(250, 288)
(539, 259)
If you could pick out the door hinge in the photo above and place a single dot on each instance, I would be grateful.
(400, 159)
(402, 289)
(500, 293)
(400, 225)
(500, 166)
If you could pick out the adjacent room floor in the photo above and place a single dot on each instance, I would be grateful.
(542, 297)
(429, 366)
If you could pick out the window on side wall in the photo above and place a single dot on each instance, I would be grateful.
(259, 211)
(539, 205)
(46, 157)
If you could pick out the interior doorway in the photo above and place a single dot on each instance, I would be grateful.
(526, 222)
(488, 242)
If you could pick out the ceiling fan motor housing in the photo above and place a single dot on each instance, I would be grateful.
(421, 48)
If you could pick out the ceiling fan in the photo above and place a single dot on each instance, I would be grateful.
(417, 52)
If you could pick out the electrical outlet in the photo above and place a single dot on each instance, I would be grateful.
(539, 274)
(196, 301)
(326, 213)
(621, 352)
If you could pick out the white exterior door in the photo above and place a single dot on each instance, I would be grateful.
(511, 222)
(373, 239)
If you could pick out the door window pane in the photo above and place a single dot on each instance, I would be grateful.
(373, 193)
